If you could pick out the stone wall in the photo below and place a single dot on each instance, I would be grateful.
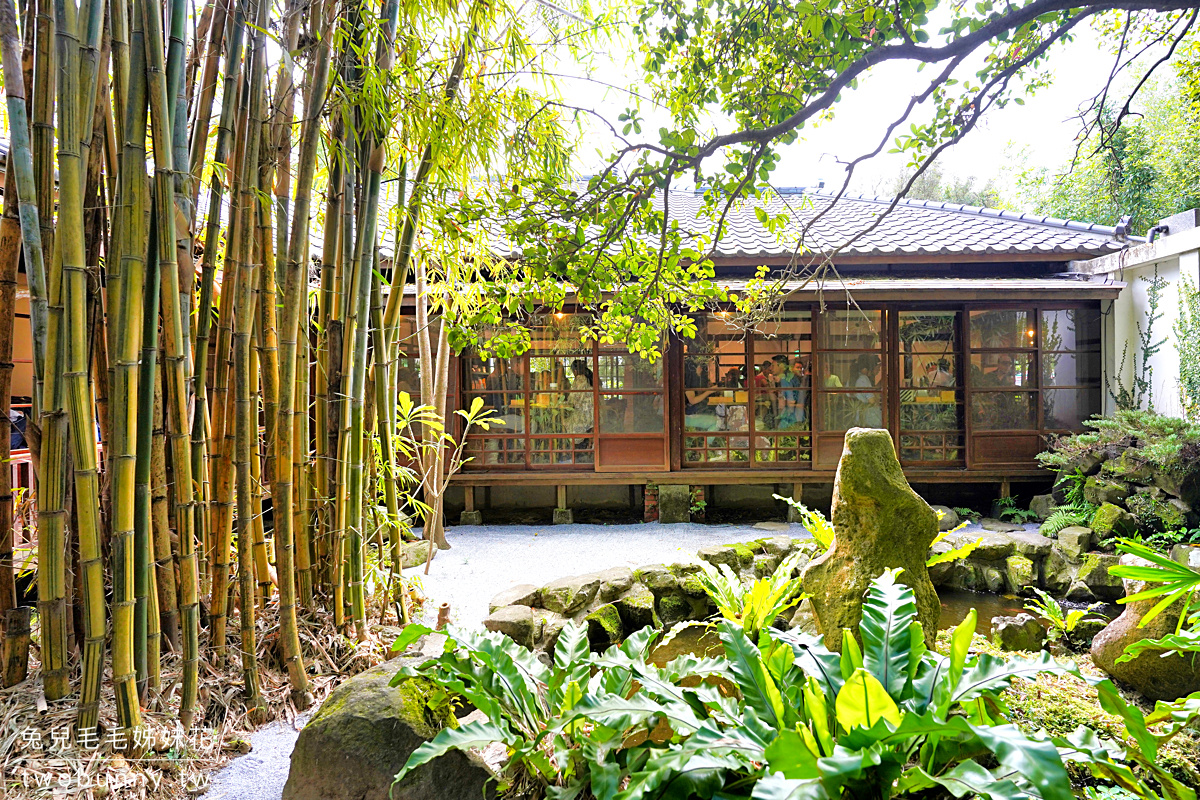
(618, 601)
(1016, 561)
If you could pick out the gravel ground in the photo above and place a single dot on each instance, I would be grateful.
(483, 560)
(486, 559)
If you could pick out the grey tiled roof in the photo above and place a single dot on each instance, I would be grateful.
(914, 228)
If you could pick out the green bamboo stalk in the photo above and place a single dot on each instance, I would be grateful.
(164, 559)
(327, 343)
(174, 355)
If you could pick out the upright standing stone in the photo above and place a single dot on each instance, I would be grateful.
(880, 523)
(674, 503)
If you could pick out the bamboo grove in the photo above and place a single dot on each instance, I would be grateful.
(198, 199)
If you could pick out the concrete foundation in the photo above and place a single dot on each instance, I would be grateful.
(674, 503)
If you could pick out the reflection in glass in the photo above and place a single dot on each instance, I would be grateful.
(1003, 411)
(852, 329)
(619, 371)
(844, 410)
(1001, 370)
(1071, 369)
(1066, 409)
(1002, 329)
(1071, 329)
(631, 413)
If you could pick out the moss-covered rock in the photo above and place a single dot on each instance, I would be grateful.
(604, 627)
(1111, 520)
(517, 623)
(1100, 490)
(1094, 574)
(614, 582)
(569, 595)
(1155, 513)
(363, 734)
(736, 555)
(881, 524)
(1075, 540)
(636, 608)
(1022, 574)
(673, 609)
(525, 594)
(658, 578)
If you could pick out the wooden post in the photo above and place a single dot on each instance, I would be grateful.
(562, 514)
(16, 645)
(470, 516)
(797, 494)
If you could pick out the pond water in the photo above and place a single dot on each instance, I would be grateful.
(956, 604)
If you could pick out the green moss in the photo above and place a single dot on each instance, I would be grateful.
(1153, 514)
(1059, 704)
(692, 587)
(604, 626)
(744, 552)
(674, 608)
(1112, 520)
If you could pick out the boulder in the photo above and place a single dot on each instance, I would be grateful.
(636, 608)
(777, 545)
(525, 594)
(999, 526)
(765, 564)
(880, 524)
(1075, 540)
(1093, 573)
(1184, 485)
(363, 734)
(948, 518)
(1157, 676)
(1058, 573)
(1128, 467)
(614, 582)
(673, 609)
(674, 503)
(604, 627)
(1156, 513)
(516, 622)
(736, 555)
(993, 546)
(1111, 520)
(1100, 490)
(1022, 575)
(1187, 554)
(550, 625)
(413, 554)
(569, 595)
(1085, 631)
(1031, 544)
(1021, 632)
(657, 578)
(1042, 505)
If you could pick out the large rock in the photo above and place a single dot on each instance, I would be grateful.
(880, 524)
(525, 594)
(999, 525)
(1111, 520)
(1021, 632)
(363, 734)
(1157, 676)
(1157, 513)
(1042, 505)
(568, 595)
(1022, 574)
(636, 608)
(1105, 490)
(604, 627)
(516, 622)
(1093, 573)
(1075, 540)
(948, 518)
(993, 546)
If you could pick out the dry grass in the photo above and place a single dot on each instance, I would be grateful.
(171, 763)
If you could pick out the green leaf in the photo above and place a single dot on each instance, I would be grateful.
(410, 634)
(759, 690)
(1036, 761)
(888, 612)
(851, 655)
(472, 734)
(863, 701)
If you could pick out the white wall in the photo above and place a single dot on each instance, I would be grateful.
(1130, 309)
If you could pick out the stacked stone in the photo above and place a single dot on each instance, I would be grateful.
(619, 601)
(1132, 496)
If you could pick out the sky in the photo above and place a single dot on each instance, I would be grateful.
(1042, 132)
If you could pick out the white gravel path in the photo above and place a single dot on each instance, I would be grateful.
(486, 559)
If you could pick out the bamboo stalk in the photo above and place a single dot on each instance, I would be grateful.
(175, 355)
(164, 559)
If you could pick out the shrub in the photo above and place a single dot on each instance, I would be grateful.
(1165, 444)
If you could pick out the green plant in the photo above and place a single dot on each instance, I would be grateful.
(1060, 624)
(1164, 444)
(1141, 391)
(813, 521)
(967, 513)
(1066, 516)
(1010, 512)
(793, 720)
(954, 554)
(1187, 342)
(1165, 540)
(756, 606)
(1170, 582)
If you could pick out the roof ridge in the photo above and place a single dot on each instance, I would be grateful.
(978, 211)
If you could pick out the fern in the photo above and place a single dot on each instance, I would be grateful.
(1066, 516)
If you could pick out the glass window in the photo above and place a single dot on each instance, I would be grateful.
(631, 413)
(1071, 369)
(1071, 329)
(1066, 409)
(629, 371)
(783, 374)
(1002, 370)
(852, 329)
(1002, 329)
(1003, 411)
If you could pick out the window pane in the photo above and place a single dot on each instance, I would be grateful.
(782, 409)
(1003, 411)
(1001, 370)
(560, 451)
(1066, 409)
(1002, 328)
(1071, 369)
(491, 451)
(558, 335)
(408, 375)
(1071, 329)
(931, 447)
(927, 341)
(716, 357)
(631, 413)
(848, 370)
(852, 329)
(620, 370)
(783, 372)
(921, 411)
(715, 410)
(844, 410)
